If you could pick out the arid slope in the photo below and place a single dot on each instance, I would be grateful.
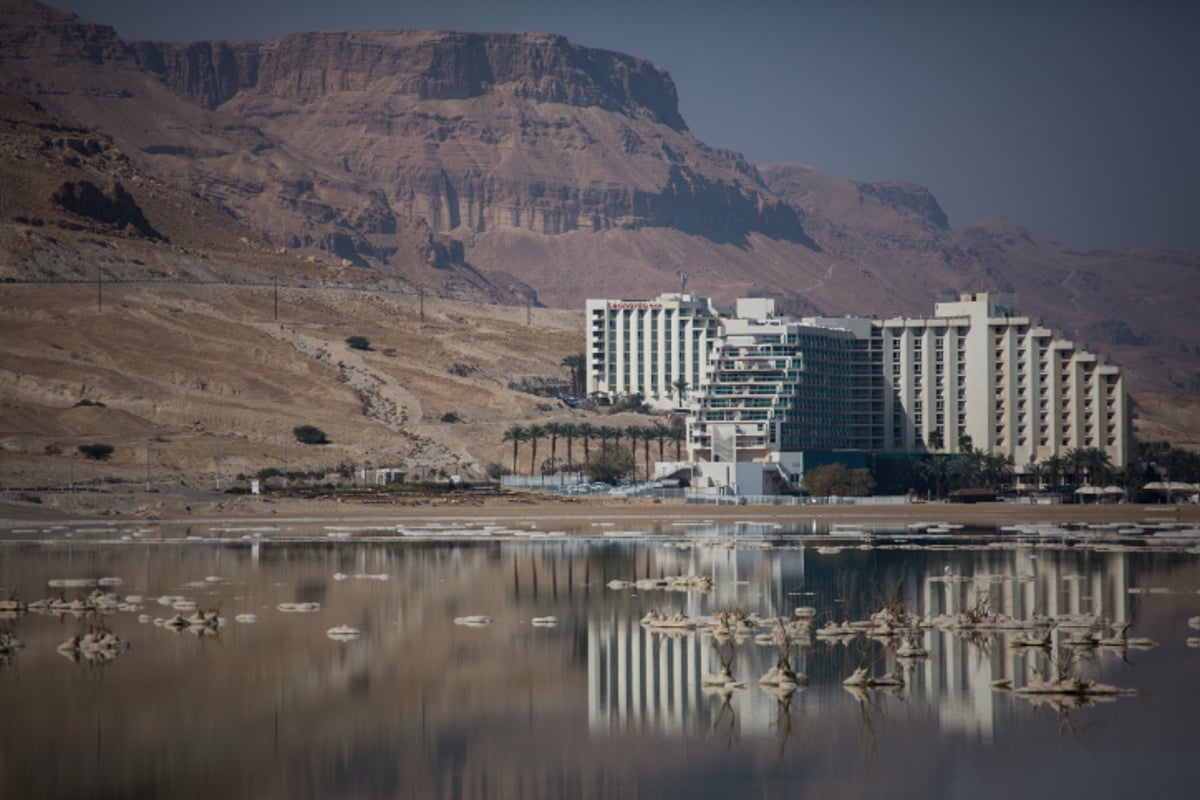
(208, 379)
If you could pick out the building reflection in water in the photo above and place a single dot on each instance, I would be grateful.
(646, 680)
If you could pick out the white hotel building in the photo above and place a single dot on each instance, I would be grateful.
(652, 347)
(760, 385)
(979, 369)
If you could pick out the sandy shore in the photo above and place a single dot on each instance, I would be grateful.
(549, 512)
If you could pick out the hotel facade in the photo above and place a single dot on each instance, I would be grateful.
(657, 348)
(760, 386)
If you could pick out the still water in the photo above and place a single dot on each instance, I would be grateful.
(593, 704)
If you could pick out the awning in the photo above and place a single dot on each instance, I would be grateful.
(1171, 486)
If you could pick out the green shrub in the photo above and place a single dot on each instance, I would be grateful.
(836, 479)
(97, 452)
(358, 343)
(309, 434)
(609, 464)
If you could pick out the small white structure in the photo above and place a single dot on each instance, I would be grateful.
(387, 475)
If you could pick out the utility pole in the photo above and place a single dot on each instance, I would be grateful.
(147, 465)
(421, 296)
(99, 291)
(276, 299)
(217, 467)
(529, 309)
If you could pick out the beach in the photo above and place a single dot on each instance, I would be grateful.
(551, 511)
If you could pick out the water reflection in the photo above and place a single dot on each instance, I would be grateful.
(596, 704)
(639, 677)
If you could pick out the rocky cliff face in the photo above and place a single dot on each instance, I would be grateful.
(116, 208)
(422, 65)
(475, 132)
(84, 72)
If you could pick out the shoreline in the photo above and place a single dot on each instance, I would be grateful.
(542, 511)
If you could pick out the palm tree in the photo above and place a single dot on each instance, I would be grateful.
(936, 470)
(554, 429)
(966, 444)
(681, 387)
(634, 433)
(1054, 467)
(936, 441)
(678, 434)
(606, 432)
(1181, 465)
(996, 469)
(577, 364)
(647, 435)
(1152, 452)
(516, 434)
(535, 432)
(569, 432)
(1037, 472)
(967, 470)
(1098, 465)
(1074, 459)
(587, 432)
(1133, 478)
(661, 432)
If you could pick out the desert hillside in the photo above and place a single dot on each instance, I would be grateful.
(208, 379)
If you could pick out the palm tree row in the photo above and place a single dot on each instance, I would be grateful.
(587, 434)
(978, 469)
(972, 470)
(1077, 466)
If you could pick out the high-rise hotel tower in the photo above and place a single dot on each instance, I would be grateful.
(758, 383)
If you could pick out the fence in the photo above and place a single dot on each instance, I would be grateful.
(547, 482)
(570, 482)
(702, 498)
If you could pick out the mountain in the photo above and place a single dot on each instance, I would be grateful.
(525, 163)
(1132, 305)
(138, 315)
(79, 71)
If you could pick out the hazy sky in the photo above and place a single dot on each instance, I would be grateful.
(1077, 118)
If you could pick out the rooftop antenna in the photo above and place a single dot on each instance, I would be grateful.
(683, 283)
